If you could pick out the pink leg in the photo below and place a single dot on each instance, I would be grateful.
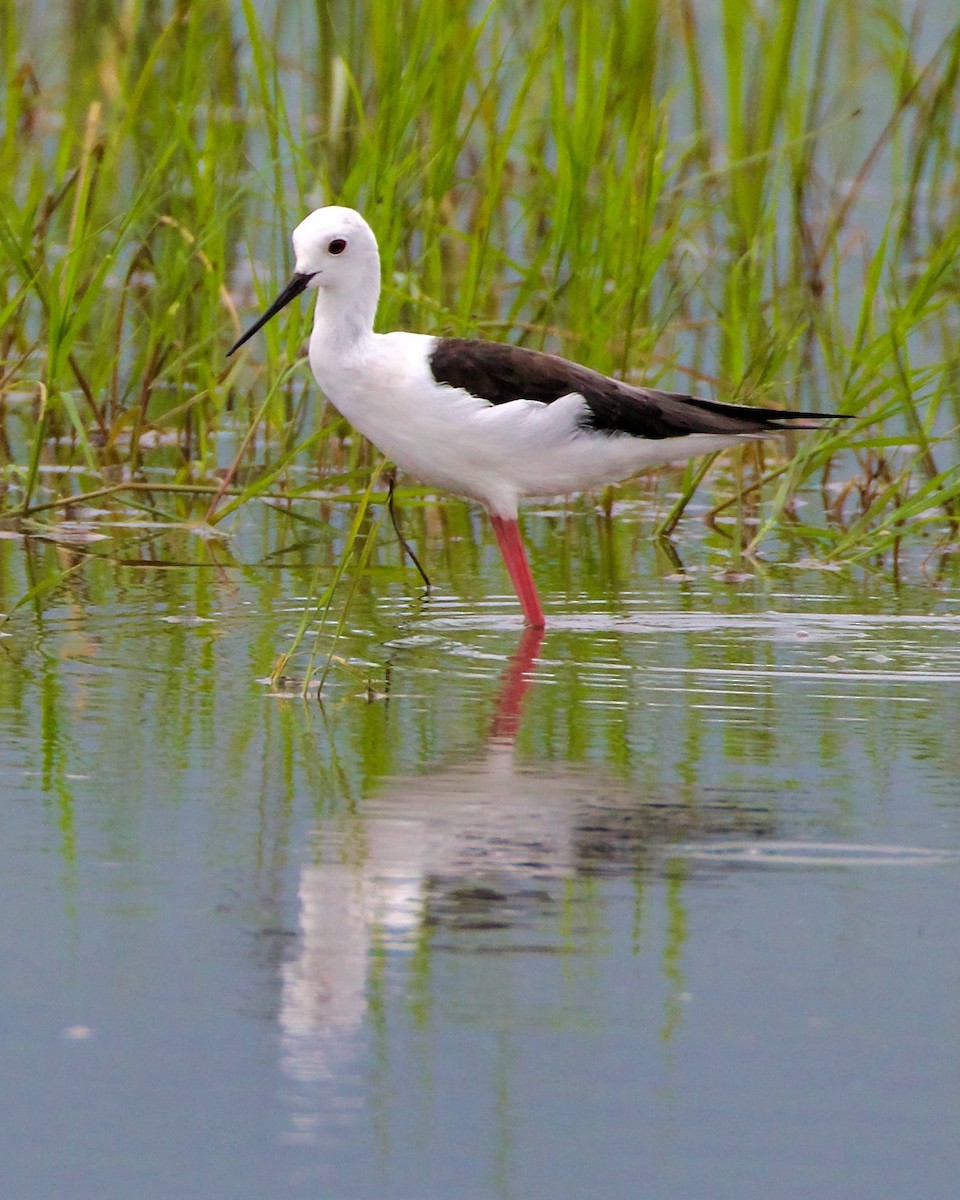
(514, 685)
(515, 557)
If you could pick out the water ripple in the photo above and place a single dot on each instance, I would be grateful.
(814, 854)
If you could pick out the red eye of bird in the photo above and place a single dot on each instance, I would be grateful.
(337, 246)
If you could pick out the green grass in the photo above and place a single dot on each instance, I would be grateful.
(754, 203)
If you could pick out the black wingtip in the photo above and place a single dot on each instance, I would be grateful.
(807, 420)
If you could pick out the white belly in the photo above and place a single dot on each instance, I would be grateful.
(496, 454)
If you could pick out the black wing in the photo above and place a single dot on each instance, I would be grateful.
(500, 373)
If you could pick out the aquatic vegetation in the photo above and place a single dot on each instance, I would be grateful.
(756, 204)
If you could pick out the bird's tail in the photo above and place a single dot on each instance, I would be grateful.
(716, 416)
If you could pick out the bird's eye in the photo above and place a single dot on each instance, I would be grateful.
(337, 246)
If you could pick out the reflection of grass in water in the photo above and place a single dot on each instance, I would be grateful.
(675, 194)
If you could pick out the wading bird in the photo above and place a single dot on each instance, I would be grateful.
(489, 421)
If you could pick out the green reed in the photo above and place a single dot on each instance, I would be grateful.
(755, 202)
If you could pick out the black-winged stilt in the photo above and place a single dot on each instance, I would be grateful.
(489, 421)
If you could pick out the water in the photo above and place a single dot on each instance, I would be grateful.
(664, 904)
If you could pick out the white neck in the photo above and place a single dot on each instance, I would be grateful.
(342, 318)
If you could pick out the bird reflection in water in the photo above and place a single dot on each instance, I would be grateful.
(478, 851)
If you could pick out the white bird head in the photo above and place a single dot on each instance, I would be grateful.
(335, 246)
(336, 251)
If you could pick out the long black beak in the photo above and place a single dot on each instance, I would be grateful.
(293, 289)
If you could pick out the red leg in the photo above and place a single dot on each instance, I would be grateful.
(515, 557)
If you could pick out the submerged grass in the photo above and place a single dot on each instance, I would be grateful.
(749, 201)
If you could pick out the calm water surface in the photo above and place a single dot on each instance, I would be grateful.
(665, 905)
